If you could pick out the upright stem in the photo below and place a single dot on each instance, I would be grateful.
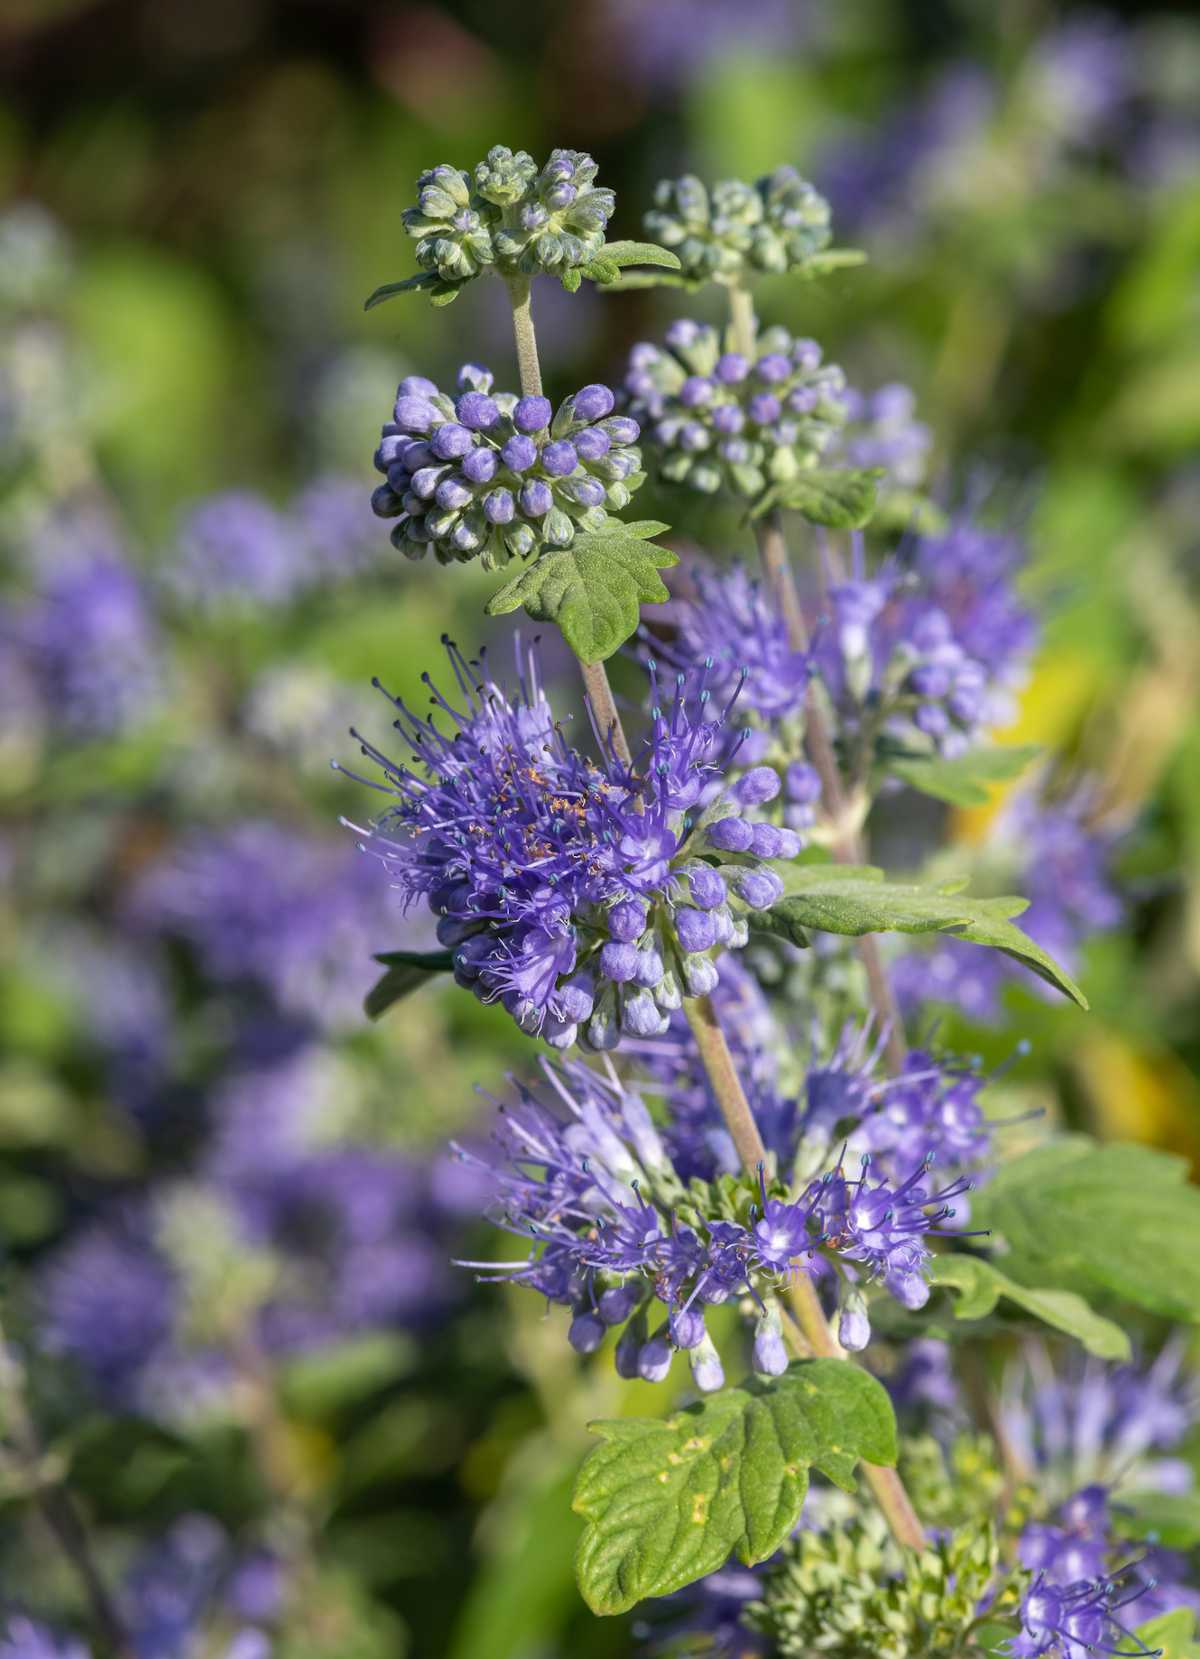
(847, 842)
(57, 1507)
(743, 324)
(806, 1307)
(595, 676)
(714, 1051)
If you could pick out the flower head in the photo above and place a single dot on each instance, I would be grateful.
(1078, 1619)
(92, 646)
(509, 214)
(495, 476)
(584, 895)
(717, 421)
(235, 550)
(727, 620)
(920, 647)
(265, 905)
(882, 430)
(587, 1174)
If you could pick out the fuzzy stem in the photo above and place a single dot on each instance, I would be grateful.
(847, 844)
(528, 367)
(743, 324)
(595, 676)
(57, 1507)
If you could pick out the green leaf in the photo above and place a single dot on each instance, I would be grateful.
(407, 971)
(445, 293)
(833, 259)
(841, 498)
(600, 270)
(639, 253)
(629, 280)
(980, 1286)
(832, 899)
(1173, 1633)
(666, 1502)
(963, 781)
(645, 529)
(1116, 1218)
(593, 590)
(1171, 1519)
(571, 280)
(389, 290)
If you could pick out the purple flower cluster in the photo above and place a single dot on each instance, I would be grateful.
(586, 896)
(715, 420)
(927, 647)
(727, 620)
(1078, 1619)
(1091, 1424)
(1062, 864)
(882, 430)
(588, 1177)
(294, 914)
(237, 550)
(497, 477)
(309, 1238)
(91, 646)
(928, 1114)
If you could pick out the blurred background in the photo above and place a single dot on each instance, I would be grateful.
(227, 1211)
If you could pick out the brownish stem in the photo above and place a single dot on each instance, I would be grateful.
(57, 1508)
(809, 1316)
(847, 844)
(724, 1081)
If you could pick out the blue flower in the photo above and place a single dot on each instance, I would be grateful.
(926, 648)
(1078, 1619)
(295, 914)
(235, 550)
(585, 1173)
(585, 895)
(93, 646)
(728, 620)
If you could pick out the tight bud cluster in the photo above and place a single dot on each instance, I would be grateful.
(737, 229)
(495, 476)
(509, 215)
(717, 420)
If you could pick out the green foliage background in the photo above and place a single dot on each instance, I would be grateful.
(231, 177)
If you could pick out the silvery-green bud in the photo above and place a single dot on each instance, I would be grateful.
(504, 177)
(737, 229)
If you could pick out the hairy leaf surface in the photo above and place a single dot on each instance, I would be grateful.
(667, 1501)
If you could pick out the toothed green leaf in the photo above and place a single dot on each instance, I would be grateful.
(668, 1502)
(594, 589)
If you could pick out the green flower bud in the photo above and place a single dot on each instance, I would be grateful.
(505, 177)
(727, 234)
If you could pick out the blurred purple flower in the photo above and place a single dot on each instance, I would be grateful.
(297, 914)
(337, 533)
(93, 646)
(236, 550)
